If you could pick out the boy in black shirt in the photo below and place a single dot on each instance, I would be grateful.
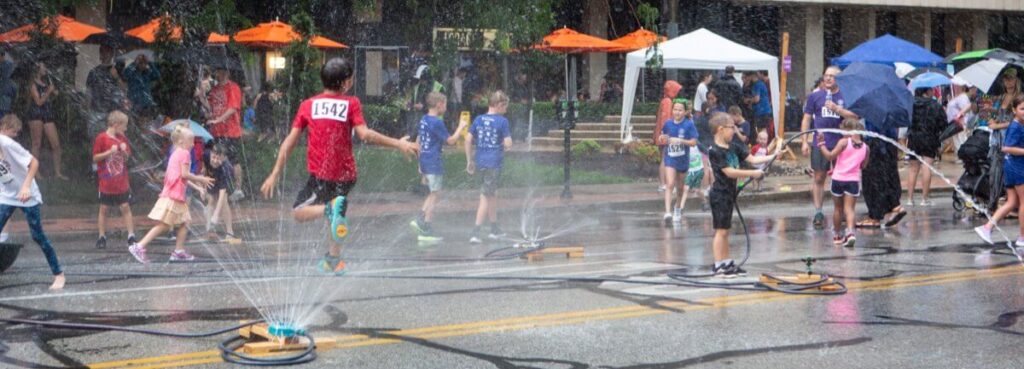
(725, 157)
(217, 206)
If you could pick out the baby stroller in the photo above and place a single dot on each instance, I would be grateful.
(977, 172)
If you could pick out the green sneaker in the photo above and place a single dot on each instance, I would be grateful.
(331, 265)
(420, 230)
(429, 237)
(336, 216)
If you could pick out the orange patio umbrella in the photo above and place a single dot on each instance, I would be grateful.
(147, 32)
(566, 40)
(278, 34)
(67, 29)
(637, 40)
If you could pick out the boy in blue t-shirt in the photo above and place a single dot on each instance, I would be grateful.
(489, 136)
(679, 134)
(431, 136)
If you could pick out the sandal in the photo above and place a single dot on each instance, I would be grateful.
(896, 218)
(868, 223)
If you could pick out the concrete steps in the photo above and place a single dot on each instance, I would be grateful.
(605, 133)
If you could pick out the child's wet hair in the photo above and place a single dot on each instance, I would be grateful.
(719, 120)
(116, 117)
(1017, 101)
(686, 103)
(735, 110)
(335, 72)
(852, 125)
(435, 98)
(181, 132)
(10, 121)
(219, 149)
(497, 98)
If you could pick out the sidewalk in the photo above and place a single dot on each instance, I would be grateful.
(82, 218)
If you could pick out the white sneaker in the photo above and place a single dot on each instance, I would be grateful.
(985, 233)
(677, 215)
(181, 256)
(927, 202)
(1020, 242)
(4, 236)
(661, 188)
(139, 253)
(237, 195)
(475, 239)
(667, 217)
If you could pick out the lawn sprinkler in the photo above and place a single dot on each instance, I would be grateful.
(809, 261)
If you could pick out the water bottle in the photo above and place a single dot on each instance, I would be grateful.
(828, 95)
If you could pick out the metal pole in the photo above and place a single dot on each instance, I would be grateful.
(569, 121)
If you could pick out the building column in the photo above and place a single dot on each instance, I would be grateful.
(979, 32)
(88, 57)
(858, 26)
(814, 43)
(595, 23)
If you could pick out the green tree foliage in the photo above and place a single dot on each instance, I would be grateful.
(301, 77)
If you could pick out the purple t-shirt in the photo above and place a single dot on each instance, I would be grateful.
(823, 117)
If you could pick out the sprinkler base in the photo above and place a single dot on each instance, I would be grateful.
(823, 283)
(264, 339)
(570, 252)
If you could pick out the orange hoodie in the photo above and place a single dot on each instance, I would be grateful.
(665, 108)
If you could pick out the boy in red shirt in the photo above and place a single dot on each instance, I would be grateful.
(330, 118)
(110, 152)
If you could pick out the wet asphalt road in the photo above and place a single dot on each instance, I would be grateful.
(925, 294)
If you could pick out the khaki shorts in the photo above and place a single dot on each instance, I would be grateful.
(170, 212)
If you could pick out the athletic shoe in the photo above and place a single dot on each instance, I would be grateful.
(131, 239)
(838, 240)
(429, 237)
(331, 265)
(850, 239)
(927, 202)
(985, 233)
(819, 221)
(237, 195)
(661, 189)
(101, 243)
(179, 256)
(475, 239)
(911, 203)
(735, 269)
(4, 236)
(496, 233)
(1020, 242)
(667, 217)
(139, 253)
(719, 271)
(677, 215)
(230, 238)
(420, 229)
(336, 217)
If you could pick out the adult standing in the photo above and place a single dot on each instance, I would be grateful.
(998, 116)
(729, 89)
(106, 91)
(929, 120)
(8, 89)
(140, 76)
(225, 121)
(41, 117)
(761, 105)
(881, 180)
(701, 96)
(825, 109)
(959, 111)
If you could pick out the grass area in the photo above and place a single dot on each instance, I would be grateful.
(380, 170)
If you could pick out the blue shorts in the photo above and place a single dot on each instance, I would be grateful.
(840, 188)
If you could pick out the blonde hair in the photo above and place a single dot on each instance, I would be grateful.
(719, 120)
(10, 121)
(735, 110)
(116, 117)
(852, 125)
(181, 132)
(497, 97)
(435, 98)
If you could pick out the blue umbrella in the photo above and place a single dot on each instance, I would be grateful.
(195, 127)
(875, 93)
(930, 80)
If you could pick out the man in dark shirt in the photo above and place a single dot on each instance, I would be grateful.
(106, 90)
(728, 88)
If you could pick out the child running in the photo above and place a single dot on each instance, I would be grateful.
(431, 137)
(330, 118)
(172, 208)
(725, 157)
(489, 135)
(18, 190)
(217, 206)
(679, 134)
(850, 156)
(110, 152)
(1013, 175)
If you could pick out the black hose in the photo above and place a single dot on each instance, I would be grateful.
(107, 327)
(229, 352)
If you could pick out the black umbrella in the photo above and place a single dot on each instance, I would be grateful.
(115, 40)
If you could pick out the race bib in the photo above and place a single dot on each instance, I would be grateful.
(676, 151)
(332, 109)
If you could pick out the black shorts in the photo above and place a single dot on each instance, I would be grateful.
(115, 200)
(233, 146)
(819, 163)
(490, 179)
(320, 192)
(840, 188)
(722, 205)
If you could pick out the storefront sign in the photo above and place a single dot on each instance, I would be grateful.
(466, 38)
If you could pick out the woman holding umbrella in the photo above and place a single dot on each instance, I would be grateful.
(997, 115)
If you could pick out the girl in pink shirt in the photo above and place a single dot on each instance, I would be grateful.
(172, 208)
(850, 156)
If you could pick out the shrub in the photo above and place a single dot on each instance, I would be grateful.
(644, 152)
(585, 148)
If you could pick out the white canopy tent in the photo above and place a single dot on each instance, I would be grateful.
(700, 49)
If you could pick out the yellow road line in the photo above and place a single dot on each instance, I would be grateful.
(573, 317)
